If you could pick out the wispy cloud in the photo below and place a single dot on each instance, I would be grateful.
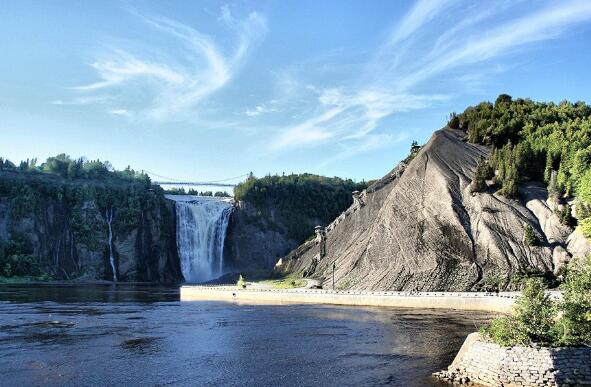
(174, 88)
(259, 109)
(421, 13)
(120, 112)
(404, 67)
(88, 100)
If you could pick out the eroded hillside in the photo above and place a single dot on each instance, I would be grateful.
(423, 228)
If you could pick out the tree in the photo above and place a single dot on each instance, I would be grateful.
(509, 184)
(574, 326)
(454, 121)
(503, 99)
(532, 320)
(483, 173)
(530, 237)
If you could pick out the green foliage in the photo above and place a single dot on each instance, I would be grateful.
(483, 172)
(492, 283)
(534, 312)
(574, 327)
(16, 257)
(531, 322)
(505, 332)
(530, 236)
(533, 141)
(293, 280)
(538, 319)
(66, 167)
(585, 227)
(240, 283)
(298, 202)
(78, 195)
(565, 216)
(454, 121)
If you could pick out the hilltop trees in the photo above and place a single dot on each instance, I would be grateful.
(533, 141)
(64, 166)
(296, 199)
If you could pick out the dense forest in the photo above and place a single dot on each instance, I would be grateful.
(534, 141)
(82, 195)
(295, 199)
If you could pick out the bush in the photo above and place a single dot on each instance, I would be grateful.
(537, 319)
(483, 173)
(530, 237)
(504, 331)
(574, 326)
(531, 322)
(240, 283)
(454, 121)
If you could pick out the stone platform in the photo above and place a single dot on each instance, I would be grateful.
(491, 302)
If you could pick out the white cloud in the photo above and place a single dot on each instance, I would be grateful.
(405, 73)
(171, 89)
(120, 112)
(538, 26)
(311, 131)
(89, 100)
(421, 13)
(259, 109)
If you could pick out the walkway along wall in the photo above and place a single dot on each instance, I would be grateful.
(501, 303)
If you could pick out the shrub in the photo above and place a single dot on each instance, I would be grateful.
(534, 312)
(574, 327)
(530, 237)
(454, 121)
(504, 331)
(483, 173)
(531, 322)
(240, 283)
(537, 319)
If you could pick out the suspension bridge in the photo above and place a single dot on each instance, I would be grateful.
(163, 180)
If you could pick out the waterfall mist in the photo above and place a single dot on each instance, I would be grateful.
(200, 234)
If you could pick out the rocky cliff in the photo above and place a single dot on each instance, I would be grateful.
(275, 214)
(57, 227)
(253, 241)
(422, 228)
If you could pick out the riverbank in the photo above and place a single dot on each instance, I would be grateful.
(489, 302)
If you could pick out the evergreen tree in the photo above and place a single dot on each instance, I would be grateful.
(483, 172)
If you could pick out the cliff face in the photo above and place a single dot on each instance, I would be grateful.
(255, 242)
(421, 228)
(68, 239)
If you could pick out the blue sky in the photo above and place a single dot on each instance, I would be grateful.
(209, 90)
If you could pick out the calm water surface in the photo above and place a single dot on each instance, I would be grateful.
(140, 335)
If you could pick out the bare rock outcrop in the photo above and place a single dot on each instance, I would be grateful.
(421, 228)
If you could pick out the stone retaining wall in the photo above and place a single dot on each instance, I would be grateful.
(483, 363)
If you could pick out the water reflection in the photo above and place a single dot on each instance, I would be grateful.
(143, 335)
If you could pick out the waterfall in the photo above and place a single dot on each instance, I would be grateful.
(200, 234)
(109, 217)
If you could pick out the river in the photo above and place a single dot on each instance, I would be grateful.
(73, 335)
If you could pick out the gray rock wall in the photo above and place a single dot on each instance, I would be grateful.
(421, 228)
(483, 363)
(146, 253)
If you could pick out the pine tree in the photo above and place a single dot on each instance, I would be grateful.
(483, 172)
